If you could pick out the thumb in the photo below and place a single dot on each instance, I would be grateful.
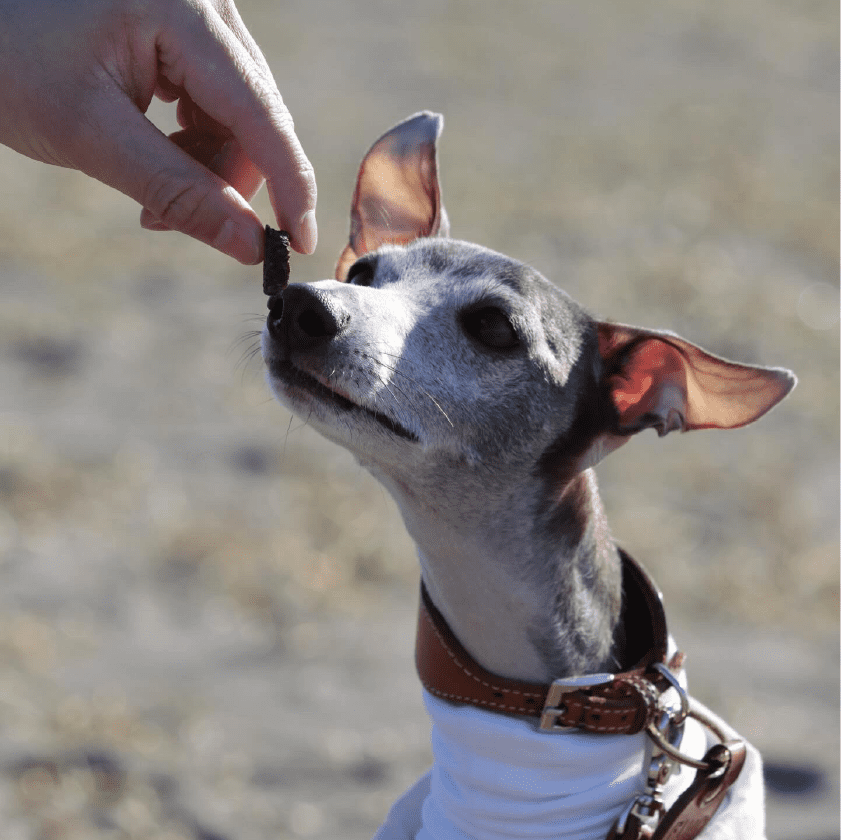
(176, 191)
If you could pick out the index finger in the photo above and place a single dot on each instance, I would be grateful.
(200, 53)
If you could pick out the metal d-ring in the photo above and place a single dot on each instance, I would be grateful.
(659, 738)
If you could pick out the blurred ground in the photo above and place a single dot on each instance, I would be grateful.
(206, 612)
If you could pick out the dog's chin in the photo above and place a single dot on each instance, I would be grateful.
(333, 412)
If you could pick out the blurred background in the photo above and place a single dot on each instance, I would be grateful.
(207, 613)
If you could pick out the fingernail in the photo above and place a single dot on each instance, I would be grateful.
(241, 243)
(158, 226)
(308, 232)
(149, 222)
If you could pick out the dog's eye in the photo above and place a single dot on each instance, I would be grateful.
(361, 273)
(490, 326)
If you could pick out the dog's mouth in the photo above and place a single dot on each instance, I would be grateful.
(294, 378)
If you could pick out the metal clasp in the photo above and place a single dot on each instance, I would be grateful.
(667, 745)
(553, 708)
(644, 812)
(647, 808)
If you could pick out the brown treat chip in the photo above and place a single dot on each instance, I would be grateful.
(276, 262)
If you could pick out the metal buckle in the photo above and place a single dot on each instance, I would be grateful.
(553, 707)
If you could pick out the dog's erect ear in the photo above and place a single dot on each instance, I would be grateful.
(397, 197)
(659, 380)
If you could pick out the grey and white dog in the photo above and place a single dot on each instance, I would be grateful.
(481, 396)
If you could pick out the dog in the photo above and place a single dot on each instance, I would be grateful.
(482, 396)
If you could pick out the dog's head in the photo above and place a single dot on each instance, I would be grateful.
(426, 349)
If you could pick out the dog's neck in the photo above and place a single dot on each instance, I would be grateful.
(529, 580)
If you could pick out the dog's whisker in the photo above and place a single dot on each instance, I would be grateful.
(245, 359)
(370, 379)
(417, 384)
(286, 436)
(254, 347)
(390, 388)
(249, 354)
(248, 336)
(373, 380)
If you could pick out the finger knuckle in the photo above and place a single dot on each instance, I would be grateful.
(308, 176)
(281, 116)
(176, 202)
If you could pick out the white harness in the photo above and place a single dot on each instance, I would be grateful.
(501, 778)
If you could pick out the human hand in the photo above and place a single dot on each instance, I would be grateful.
(77, 78)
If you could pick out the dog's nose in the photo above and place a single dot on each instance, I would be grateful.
(304, 317)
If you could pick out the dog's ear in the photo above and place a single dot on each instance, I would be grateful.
(659, 380)
(397, 197)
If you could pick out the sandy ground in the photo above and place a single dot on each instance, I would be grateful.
(206, 612)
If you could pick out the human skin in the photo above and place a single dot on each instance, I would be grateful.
(77, 78)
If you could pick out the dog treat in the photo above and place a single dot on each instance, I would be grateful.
(276, 262)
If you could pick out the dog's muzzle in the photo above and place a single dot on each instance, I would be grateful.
(302, 324)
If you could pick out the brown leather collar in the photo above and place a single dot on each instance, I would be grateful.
(622, 703)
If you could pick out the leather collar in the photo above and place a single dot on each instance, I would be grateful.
(623, 703)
